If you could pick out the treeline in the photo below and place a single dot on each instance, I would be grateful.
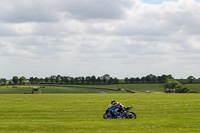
(147, 79)
(105, 79)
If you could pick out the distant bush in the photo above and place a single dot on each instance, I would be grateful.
(174, 84)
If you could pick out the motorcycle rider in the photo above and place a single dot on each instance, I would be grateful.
(119, 108)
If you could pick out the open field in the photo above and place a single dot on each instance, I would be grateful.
(186, 81)
(132, 87)
(195, 87)
(21, 89)
(82, 113)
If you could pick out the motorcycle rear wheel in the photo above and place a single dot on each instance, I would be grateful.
(133, 116)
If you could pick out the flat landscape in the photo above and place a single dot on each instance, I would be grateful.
(64, 61)
(57, 89)
(195, 87)
(82, 113)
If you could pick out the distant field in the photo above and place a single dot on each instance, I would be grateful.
(82, 113)
(195, 87)
(185, 81)
(132, 87)
(51, 89)
(21, 89)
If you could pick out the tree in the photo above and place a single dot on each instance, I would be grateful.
(72, 80)
(41, 80)
(159, 79)
(82, 79)
(110, 81)
(22, 80)
(105, 78)
(163, 78)
(93, 79)
(62, 80)
(36, 79)
(171, 83)
(137, 79)
(46, 80)
(143, 79)
(132, 80)
(15, 80)
(3, 81)
(31, 80)
(58, 79)
(10, 82)
(98, 80)
(116, 81)
(148, 78)
(190, 79)
(151, 78)
(88, 79)
(169, 76)
(66, 79)
(53, 79)
(76, 80)
(126, 80)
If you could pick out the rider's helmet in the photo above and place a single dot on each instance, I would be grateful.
(113, 102)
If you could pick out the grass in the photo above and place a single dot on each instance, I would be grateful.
(194, 87)
(133, 87)
(49, 89)
(82, 113)
(186, 81)
(21, 89)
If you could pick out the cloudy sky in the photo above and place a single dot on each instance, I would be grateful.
(123, 38)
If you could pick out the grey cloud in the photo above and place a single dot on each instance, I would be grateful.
(96, 9)
(185, 21)
(6, 30)
(27, 11)
(50, 11)
(99, 35)
(30, 47)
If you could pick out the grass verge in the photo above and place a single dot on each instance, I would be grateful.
(82, 113)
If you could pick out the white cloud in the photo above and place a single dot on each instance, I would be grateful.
(94, 37)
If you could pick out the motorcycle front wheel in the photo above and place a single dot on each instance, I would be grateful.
(107, 116)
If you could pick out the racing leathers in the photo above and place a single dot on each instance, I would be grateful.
(118, 108)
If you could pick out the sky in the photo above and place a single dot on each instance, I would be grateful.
(122, 38)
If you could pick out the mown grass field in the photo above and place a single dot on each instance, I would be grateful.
(52, 89)
(57, 88)
(186, 81)
(195, 87)
(82, 113)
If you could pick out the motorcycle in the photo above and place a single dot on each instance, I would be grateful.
(113, 113)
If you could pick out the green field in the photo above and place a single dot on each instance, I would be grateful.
(57, 89)
(52, 89)
(82, 113)
(195, 87)
(186, 81)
